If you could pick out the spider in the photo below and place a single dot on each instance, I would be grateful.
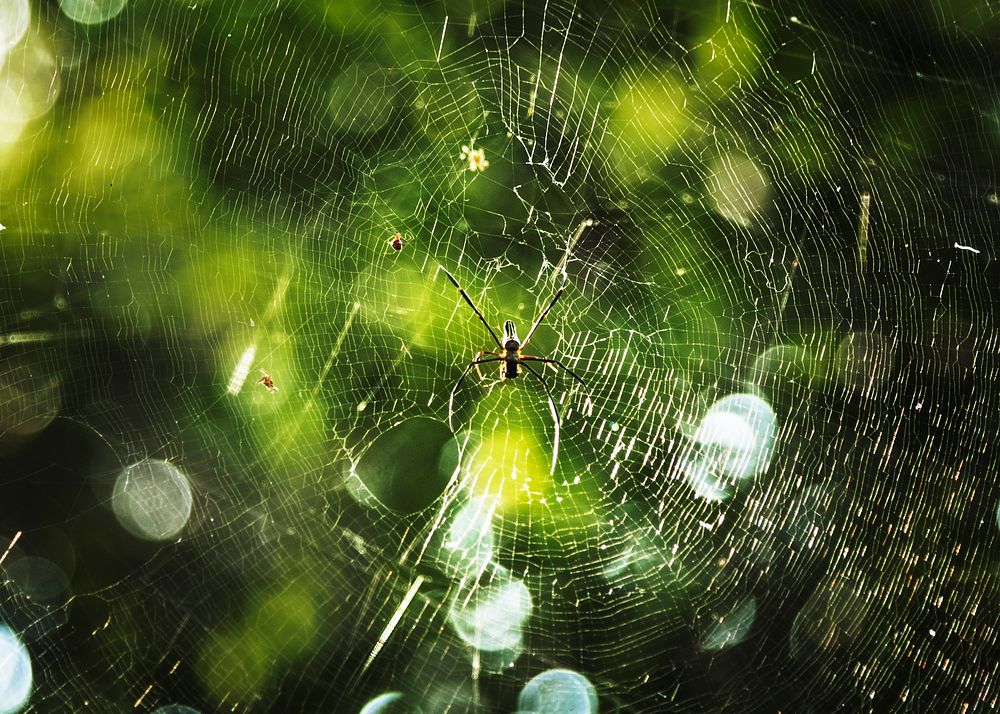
(511, 358)
(267, 381)
(396, 241)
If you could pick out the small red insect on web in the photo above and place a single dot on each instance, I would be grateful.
(267, 381)
(396, 241)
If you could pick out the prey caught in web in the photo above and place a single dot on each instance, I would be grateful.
(512, 359)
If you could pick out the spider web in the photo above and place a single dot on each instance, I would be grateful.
(776, 489)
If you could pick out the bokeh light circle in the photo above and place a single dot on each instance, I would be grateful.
(490, 614)
(153, 499)
(91, 12)
(15, 673)
(558, 691)
(15, 16)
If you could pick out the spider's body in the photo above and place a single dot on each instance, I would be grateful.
(511, 352)
(511, 359)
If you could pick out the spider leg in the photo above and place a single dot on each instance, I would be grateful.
(479, 356)
(451, 397)
(556, 362)
(475, 309)
(555, 414)
(545, 312)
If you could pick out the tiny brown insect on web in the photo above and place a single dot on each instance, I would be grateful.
(396, 242)
(267, 381)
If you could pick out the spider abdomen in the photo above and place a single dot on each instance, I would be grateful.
(510, 369)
